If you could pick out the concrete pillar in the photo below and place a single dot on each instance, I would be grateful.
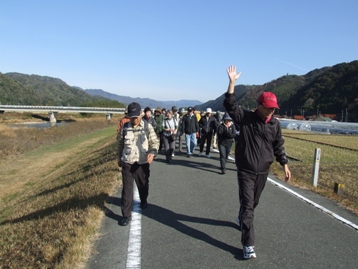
(109, 116)
(52, 117)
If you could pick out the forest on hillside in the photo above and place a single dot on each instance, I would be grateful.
(21, 89)
(329, 90)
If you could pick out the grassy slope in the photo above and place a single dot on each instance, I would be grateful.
(52, 200)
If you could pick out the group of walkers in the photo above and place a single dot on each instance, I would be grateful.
(258, 141)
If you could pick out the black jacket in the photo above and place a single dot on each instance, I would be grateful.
(190, 125)
(207, 125)
(258, 142)
(226, 135)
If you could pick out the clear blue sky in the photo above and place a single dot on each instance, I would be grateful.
(172, 50)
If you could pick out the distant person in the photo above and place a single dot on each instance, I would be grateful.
(180, 135)
(175, 113)
(170, 128)
(149, 118)
(226, 133)
(260, 140)
(123, 120)
(207, 125)
(137, 147)
(159, 118)
(217, 123)
(190, 128)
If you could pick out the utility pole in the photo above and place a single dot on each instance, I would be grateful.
(346, 114)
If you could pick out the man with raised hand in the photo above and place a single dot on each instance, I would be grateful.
(260, 140)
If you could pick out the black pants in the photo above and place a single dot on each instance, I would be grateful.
(250, 189)
(169, 146)
(130, 173)
(206, 137)
(224, 151)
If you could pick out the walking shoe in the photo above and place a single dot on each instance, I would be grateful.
(173, 155)
(208, 156)
(200, 154)
(125, 221)
(223, 171)
(143, 205)
(249, 252)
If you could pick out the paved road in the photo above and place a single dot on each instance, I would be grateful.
(190, 224)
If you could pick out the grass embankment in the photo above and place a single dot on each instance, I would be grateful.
(52, 198)
(338, 164)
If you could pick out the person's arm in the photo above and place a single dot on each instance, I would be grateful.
(153, 144)
(233, 76)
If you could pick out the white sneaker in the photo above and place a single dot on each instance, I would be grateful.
(173, 155)
(208, 156)
(200, 154)
(249, 252)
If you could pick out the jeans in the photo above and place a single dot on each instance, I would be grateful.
(190, 140)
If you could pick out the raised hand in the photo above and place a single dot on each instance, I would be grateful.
(231, 72)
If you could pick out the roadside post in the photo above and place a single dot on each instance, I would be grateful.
(317, 158)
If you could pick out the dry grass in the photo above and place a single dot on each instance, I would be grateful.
(337, 165)
(52, 198)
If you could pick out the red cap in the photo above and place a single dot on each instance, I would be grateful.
(268, 100)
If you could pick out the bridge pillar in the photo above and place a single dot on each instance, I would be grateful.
(52, 117)
(108, 116)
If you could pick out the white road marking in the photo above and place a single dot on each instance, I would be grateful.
(325, 210)
(135, 234)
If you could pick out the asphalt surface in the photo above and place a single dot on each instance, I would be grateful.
(190, 223)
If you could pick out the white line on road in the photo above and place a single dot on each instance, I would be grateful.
(135, 234)
(325, 210)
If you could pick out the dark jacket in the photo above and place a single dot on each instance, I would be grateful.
(190, 124)
(151, 120)
(258, 142)
(207, 125)
(226, 135)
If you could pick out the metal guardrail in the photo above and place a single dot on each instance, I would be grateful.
(62, 109)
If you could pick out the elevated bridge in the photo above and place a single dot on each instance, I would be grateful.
(53, 110)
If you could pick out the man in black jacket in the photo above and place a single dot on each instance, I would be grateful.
(207, 124)
(260, 140)
(190, 127)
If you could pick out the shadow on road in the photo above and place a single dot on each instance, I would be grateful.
(175, 220)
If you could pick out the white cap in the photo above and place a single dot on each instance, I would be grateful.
(208, 110)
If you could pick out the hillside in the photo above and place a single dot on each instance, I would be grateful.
(16, 88)
(144, 102)
(328, 90)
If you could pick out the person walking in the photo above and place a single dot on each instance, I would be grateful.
(207, 125)
(226, 133)
(137, 145)
(149, 118)
(260, 140)
(123, 120)
(159, 118)
(180, 135)
(190, 127)
(169, 132)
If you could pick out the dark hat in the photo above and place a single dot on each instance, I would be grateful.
(134, 110)
(227, 117)
(268, 100)
(190, 109)
(174, 108)
(158, 109)
(147, 109)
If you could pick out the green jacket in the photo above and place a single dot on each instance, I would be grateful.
(159, 120)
